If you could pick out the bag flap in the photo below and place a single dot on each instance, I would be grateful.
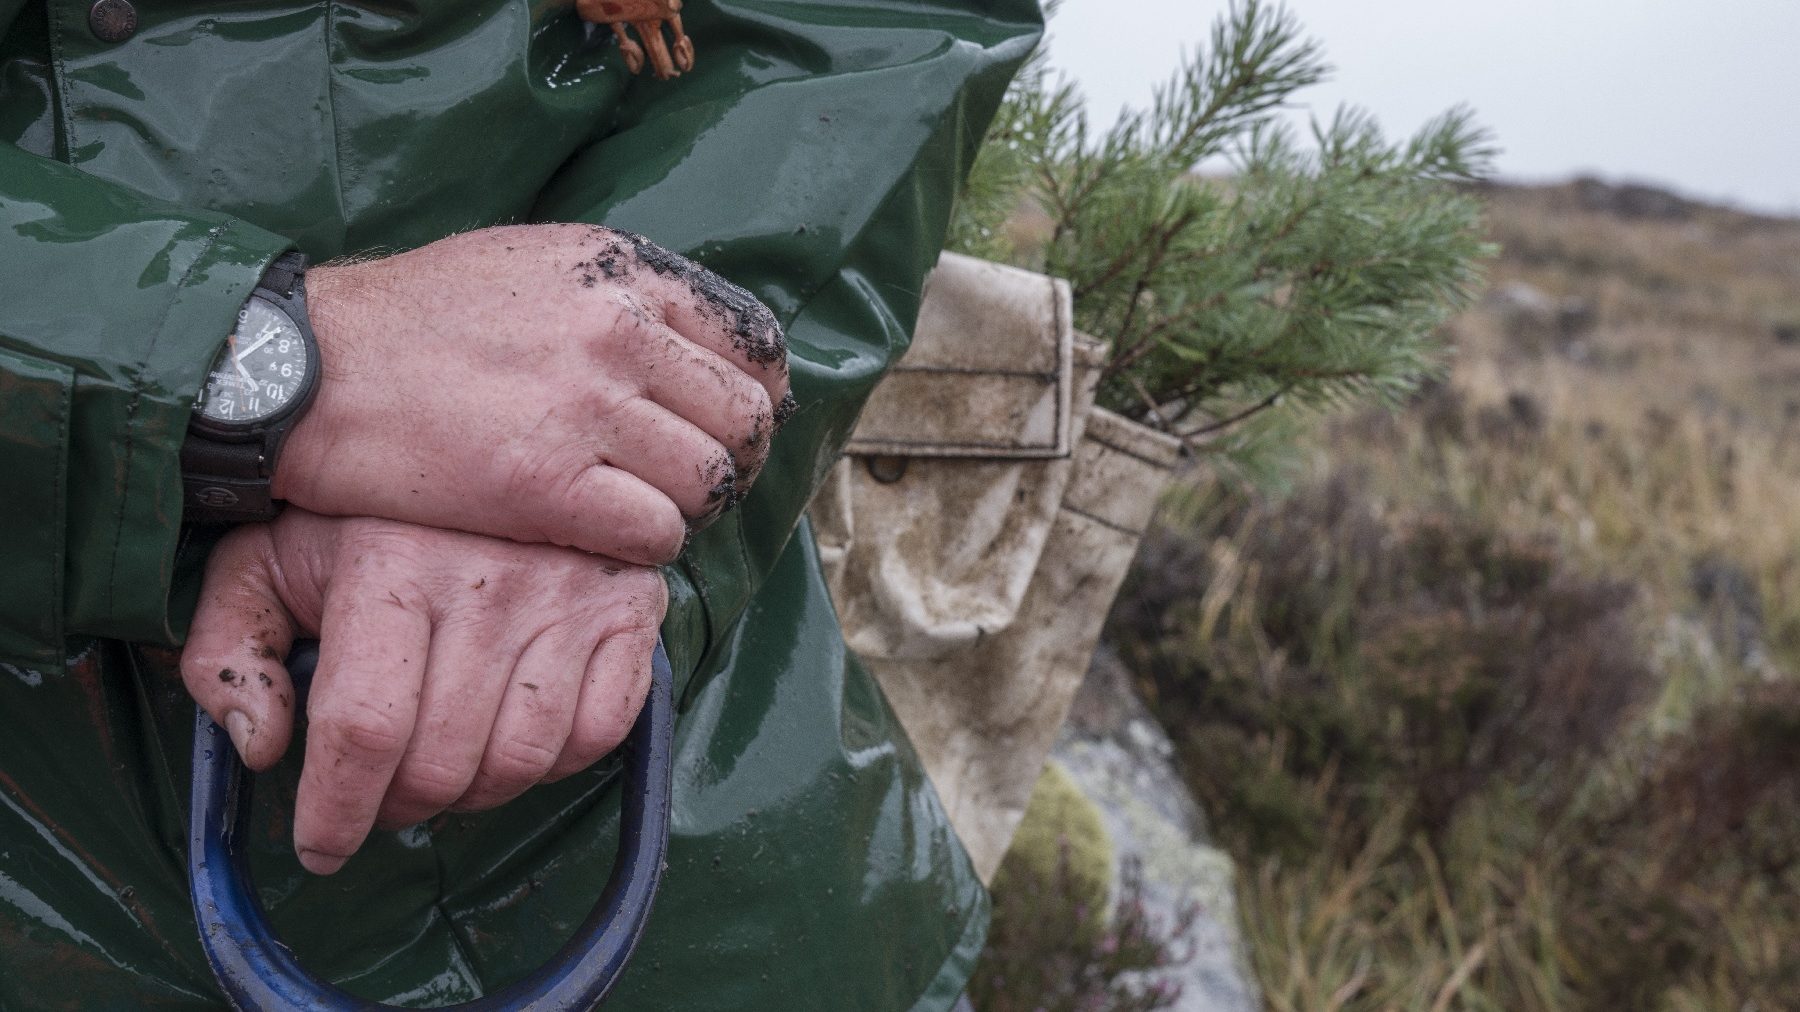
(990, 374)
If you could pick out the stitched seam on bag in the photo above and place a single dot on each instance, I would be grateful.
(137, 399)
(1161, 465)
(1102, 521)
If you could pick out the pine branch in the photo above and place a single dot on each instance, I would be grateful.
(1315, 275)
(1243, 416)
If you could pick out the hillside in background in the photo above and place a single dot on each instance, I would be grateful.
(1497, 703)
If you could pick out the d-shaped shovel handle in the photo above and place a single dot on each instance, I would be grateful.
(259, 974)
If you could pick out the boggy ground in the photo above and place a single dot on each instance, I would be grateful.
(1497, 705)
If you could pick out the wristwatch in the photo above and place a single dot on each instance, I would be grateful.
(260, 385)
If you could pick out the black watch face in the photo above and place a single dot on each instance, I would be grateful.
(263, 368)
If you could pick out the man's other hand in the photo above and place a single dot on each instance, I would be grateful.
(543, 383)
(455, 671)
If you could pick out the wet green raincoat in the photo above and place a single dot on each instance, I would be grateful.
(145, 183)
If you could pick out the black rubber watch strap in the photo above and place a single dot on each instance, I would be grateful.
(228, 500)
(225, 483)
(282, 275)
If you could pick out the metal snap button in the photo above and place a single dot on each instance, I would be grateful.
(112, 20)
(887, 470)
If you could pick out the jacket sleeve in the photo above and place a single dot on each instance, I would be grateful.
(811, 156)
(112, 307)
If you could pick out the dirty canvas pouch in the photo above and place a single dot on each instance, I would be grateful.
(978, 531)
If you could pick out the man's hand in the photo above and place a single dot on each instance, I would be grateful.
(542, 383)
(455, 671)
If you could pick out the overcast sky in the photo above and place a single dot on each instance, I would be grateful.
(1699, 95)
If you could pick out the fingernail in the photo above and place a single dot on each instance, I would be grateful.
(318, 863)
(238, 726)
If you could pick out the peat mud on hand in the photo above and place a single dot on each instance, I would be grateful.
(785, 410)
(607, 265)
(723, 495)
(755, 333)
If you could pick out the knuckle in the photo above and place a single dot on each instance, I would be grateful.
(756, 410)
(390, 556)
(380, 540)
(364, 731)
(536, 467)
(627, 321)
(516, 762)
(431, 782)
(647, 597)
(552, 492)
(651, 531)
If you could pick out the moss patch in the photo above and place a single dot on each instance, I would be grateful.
(1060, 819)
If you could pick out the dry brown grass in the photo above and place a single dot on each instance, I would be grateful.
(1671, 429)
(1498, 708)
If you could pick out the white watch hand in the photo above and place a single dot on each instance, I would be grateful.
(249, 380)
(259, 342)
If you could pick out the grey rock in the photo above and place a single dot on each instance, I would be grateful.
(1121, 758)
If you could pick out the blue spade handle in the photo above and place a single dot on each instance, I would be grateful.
(259, 974)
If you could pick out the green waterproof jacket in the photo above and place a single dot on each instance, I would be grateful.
(145, 183)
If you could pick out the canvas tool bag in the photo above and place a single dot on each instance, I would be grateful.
(977, 530)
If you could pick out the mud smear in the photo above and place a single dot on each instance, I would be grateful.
(724, 493)
(785, 410)
(755, 333)
(609, 265)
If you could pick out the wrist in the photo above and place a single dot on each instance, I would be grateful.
(332, 316)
